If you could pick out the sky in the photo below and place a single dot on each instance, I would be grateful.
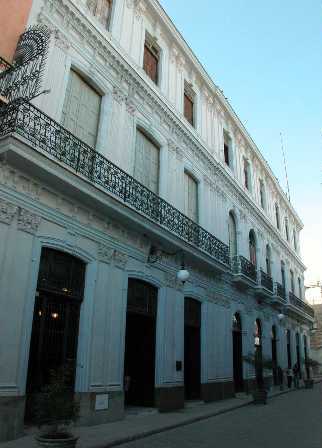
(267, 58)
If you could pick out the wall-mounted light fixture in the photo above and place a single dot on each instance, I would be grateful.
(156, 255)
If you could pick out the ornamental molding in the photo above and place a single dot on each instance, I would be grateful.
(120, 259)
(71, 19)
(118, 95)
(7, 212)
(170, 280)
(105, 253)
(28, 222)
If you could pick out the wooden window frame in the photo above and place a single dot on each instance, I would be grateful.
(151, 47)
(189, 95)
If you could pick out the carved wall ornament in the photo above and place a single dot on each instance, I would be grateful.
(7, 211)
(118, 95)
(28, 222)
(120, 259)
(61, 41)
(105, 253)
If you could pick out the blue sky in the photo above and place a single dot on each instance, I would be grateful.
(267, 58)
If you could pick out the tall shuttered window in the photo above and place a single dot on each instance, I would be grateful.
(81, 109)
(188, 106)
(190, 197)
(147, 155)
(151, 60)
(101, 9)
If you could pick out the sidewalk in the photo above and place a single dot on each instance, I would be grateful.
(137, 426)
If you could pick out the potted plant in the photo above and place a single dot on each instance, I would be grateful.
(55, 409)
(260, 364)
(310, 364)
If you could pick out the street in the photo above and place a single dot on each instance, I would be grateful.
(291, 420)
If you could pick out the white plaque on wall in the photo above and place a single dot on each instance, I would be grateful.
(101, 402)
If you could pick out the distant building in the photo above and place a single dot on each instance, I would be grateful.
(313, 295)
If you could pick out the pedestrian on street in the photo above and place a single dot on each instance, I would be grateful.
(296, 374)
(289, 374)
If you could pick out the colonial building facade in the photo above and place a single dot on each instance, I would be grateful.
(132, 167)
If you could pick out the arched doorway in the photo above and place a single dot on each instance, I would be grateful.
(258, 353)
(238, 353)
(288, 346)
(139, 357)
(274, 355)
(192, 349)
(55, 325)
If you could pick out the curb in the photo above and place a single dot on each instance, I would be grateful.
(189, 421)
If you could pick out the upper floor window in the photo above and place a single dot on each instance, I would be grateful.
(277, 216)
(151, 59)
(247, 181)
(188, 106)
(232, 235)
(292, 281)
(252, 247)
(283, 274)
(190, 197)
(262, 194)
(227, 149)
(146, 168)
(300, 287)
(286, 230)
(294, 240)
(81, 109)
(268, 260)
(101, 9)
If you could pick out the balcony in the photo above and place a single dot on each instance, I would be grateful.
(244, 272)
(265, 288)
(279, 294)
(46, 137)
(297, 304)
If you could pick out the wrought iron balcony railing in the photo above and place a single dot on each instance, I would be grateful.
(301, 304)
(266, 281)
(280, 291)
(22, 80)
(4, 65)
(242, 266)
(50, 137)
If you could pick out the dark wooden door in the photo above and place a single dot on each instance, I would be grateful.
(238, 360)
(139, 357)
(192, 349)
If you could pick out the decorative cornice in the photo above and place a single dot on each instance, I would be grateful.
(28, 222)
(7, 212)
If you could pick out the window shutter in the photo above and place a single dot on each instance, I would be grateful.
(188, 108)
(150, 63)
(81, 109)
(146, 169)
(191, 198)
(226, 153)
(232, 236)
